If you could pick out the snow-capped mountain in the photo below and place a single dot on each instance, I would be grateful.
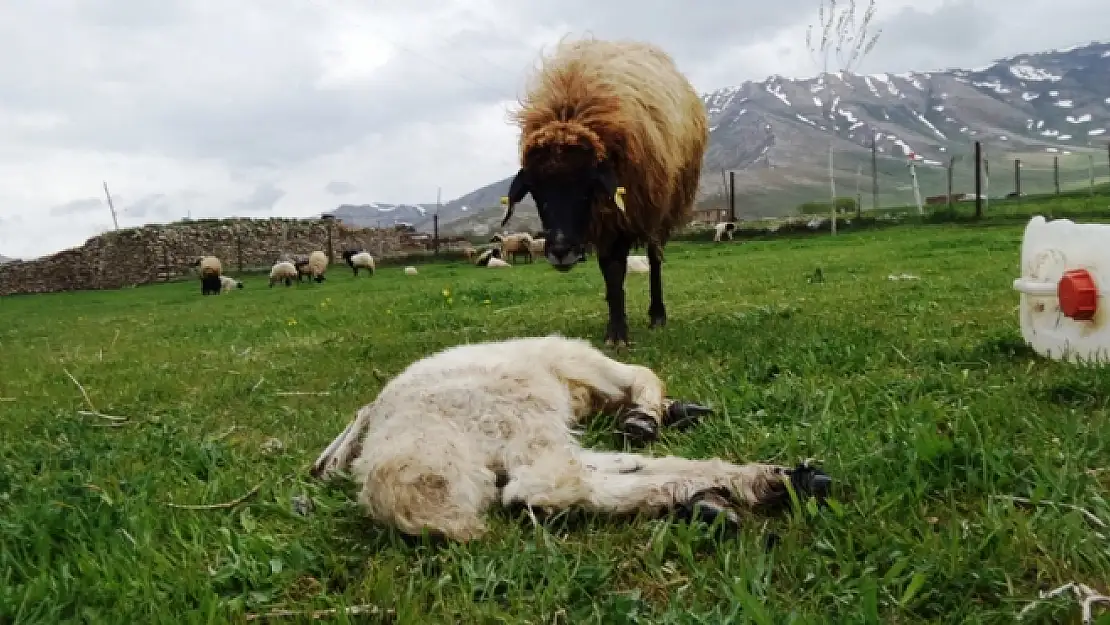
(383, 215)
(775, 133)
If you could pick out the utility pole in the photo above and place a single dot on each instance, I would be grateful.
(435, 224)
(111, 207)
(874, 171)
(978, 180)
(732, 196)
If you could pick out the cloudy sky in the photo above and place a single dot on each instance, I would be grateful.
(290, 107)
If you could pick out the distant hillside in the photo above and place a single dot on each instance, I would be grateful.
(5, 259)
(775, 133)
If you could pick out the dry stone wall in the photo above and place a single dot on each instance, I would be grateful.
(159, 253)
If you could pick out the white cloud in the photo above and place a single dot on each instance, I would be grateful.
(290, 107)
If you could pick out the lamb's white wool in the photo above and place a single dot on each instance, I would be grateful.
(497, 262)
(283, 271)
(359, 260)
(724, 228)
(228, 283)
(410, 271)
(638, 264)
(488, 254)
(316, 266)
(428, 451)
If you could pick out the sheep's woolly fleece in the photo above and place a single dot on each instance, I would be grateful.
(633, 105)
(317, 264)
(283, 270)
(430, 450)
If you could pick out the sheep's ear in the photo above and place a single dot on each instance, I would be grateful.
(518, 188)
(606, 177)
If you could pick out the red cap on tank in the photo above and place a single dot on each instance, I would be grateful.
(1078, 294)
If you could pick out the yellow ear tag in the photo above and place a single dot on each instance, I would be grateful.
(618, 198)
(504, 200)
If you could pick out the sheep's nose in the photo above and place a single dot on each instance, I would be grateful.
(562, 256)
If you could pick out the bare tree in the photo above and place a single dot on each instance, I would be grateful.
(844, 42)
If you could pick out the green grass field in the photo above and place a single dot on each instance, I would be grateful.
(918, 396)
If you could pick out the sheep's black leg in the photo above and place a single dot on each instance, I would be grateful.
(656, 311)
(614, 265)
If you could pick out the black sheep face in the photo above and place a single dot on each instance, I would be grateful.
(564, 198)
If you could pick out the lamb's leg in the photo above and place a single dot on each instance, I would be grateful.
(638, 388)
(659, 485)
(613, 262)
(656, 311)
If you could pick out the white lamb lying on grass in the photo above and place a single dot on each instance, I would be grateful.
(468, 427)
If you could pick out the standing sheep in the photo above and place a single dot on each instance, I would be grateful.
(501, 434)
(210, 270)
(314, 267)
(517, 243)
(723, 228)
(538, 246)
(283, 271)
(599, 115)
(359, 260)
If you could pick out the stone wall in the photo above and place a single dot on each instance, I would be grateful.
(159, 253)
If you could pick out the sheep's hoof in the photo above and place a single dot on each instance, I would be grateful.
(681, 414)
(810, 481)
(707, 506)
(658, 316)
(639, 426)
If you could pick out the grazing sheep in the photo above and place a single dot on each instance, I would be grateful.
(485, 257)
(359, 260)
(638, 264)
(410, 271)
(283, 270)
(538, 246)
(467, 428)
(497, 262)
(228, 283)
(724, 228)
(313, 267)
(599, 115)
(210, 269)
(517, 243)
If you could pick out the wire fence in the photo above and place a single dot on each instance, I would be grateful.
(866, 184)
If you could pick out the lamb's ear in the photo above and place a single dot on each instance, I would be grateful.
(605, 176)
(518, 188)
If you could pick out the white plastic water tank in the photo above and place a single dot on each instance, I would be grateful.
(1063, 312)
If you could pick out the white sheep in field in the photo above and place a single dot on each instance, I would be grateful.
(539, 247)
(723, 229)
(210, 269)
(517, 243)
(228, 283)
(313, 268)
(283, 271)
(467, 428)
(497, 262)
(359, 260)
(638, 264)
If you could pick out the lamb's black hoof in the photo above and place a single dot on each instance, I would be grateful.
(810, 481)
(640, 426)
(681, 414)
(707, 506)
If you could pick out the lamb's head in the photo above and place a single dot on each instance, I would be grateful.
(347, 255)
(566, 171)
